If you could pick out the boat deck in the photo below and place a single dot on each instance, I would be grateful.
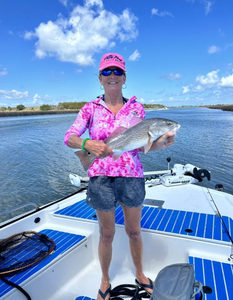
(187, 223)
(179, 230)
(216, 277)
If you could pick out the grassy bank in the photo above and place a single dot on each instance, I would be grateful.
(61, 108)
(226, 107)
(34, 113)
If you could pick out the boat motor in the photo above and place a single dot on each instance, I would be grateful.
(76, 180)
(183, 174)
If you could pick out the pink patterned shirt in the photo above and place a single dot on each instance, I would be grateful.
(101, 122)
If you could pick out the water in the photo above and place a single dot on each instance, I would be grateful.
(35, 163)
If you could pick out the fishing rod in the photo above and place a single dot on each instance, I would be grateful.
(200, 174)
(219, 214)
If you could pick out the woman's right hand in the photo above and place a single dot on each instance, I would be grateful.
(98, 148)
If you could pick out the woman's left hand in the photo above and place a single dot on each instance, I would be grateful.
(163, 141)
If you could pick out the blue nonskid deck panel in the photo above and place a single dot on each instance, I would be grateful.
(63, 240)
(216, 275)
(78, 210)
(166, 220)
(84, 298)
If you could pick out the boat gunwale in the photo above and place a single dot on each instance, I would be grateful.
(41, 208)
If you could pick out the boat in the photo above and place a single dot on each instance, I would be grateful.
(183, 221)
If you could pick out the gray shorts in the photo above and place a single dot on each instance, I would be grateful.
(106, 193)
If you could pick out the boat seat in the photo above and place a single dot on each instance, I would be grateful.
(215, 275)
(166, 220)
(64, 241)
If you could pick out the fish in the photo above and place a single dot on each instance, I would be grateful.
(142, 134)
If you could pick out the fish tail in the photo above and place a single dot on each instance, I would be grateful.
(86, 158)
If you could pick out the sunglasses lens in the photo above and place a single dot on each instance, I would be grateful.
(118, 72)
(108, 72)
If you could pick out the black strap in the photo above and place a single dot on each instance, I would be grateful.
(130, 290)
(16, 286)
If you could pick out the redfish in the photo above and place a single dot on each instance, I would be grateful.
(143, 134)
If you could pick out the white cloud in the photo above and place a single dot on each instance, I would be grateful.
(213, 49)
(98, 3)
(156, 12)
(185, 89)
(3, 72)
(37, 99)
(210, 79)
(208, 6)
(221, 33)
(171, 76)
(64, 2)
(135, 56)
(228, 46)
(226, 81)
(13, 94)
(199, 88)
(88, 30)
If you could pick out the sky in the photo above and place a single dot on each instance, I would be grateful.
(177, 52)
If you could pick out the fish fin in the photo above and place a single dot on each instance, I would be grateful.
(116, 156)
(86, 158)
(115, 132)
(134, 121)
(148, 145)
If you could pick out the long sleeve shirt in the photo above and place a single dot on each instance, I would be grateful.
(101, 122)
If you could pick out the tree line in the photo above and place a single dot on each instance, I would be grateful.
(68, 106)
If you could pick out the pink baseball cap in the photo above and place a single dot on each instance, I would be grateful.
(112, 60)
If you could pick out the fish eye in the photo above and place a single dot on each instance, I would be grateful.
(169, 123)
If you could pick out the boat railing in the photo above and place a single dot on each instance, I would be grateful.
(8, 211)
(161, 172)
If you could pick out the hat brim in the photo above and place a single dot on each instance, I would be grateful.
(111, 64)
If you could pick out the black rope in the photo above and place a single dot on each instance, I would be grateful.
(129, 290)
(16, 286)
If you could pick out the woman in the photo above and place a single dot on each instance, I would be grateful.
(113, 182)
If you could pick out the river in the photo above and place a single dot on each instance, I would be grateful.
(35, 164)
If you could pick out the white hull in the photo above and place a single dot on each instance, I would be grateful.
(76, 272)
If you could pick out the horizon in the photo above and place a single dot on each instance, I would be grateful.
(177, 53)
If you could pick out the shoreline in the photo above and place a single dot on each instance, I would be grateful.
(35, 113)
(224, 107)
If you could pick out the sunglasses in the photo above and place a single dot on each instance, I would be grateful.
(108, 72)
